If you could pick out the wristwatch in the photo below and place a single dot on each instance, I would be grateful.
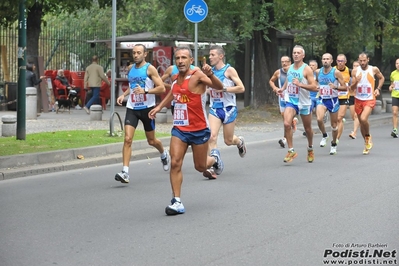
(145, 90)
(224, 89)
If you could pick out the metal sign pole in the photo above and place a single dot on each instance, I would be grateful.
(196, 45)
(113, 68)
(21, 95)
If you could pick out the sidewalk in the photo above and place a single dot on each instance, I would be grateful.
(47, 162)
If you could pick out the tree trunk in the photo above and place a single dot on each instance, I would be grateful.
(34, 20)
(265, 63)
(239, 58)
(377, 61)
(33, 30)
(331, 23)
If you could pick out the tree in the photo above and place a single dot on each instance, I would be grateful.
(319, 25)
(36, 9)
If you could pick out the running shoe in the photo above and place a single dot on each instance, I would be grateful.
(365, 150)
(323, 141)
(394, 133)
(210, 173)
(333, 149)
(291, 155)
(122, 177)
(343, 120)
(325, 118)
(165, 161)
(304, 134)
(294, 123)
(176, 207)
(368, 142)
(310, 155)
(242, 149)
(282, 142)
(218, 165)
(352, 135)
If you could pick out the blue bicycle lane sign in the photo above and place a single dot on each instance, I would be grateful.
(195, 10)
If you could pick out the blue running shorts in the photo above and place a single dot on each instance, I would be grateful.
(226, 115)
(332, 105)
(193, 137)
(305, 110)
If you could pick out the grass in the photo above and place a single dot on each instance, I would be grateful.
(61, 140)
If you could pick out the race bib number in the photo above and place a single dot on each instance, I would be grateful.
(180, 115)
(325, 91)
(396, 85)
(364, 89)
(293, 90)
(216, 95)
(138, 97)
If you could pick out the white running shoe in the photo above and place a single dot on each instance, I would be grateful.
(323, 141)
(218, 165)
(282, 142)
(333, 150)
(176, 207)
(242, 150)
(122, 177)
(166, 161)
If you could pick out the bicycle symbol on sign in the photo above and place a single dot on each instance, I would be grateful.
(195, 9)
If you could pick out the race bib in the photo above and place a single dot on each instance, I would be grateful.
(180, 115)
(325, 91)
(293, 90)
(138, 97)
(364, 89)
(216, 95)
(396, 85)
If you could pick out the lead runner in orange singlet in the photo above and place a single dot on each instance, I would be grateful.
(190, 123)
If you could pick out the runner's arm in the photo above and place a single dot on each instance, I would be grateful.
(159, 87)
(233, 75)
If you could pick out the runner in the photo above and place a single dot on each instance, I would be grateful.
(280, 75)
(223, 106)
(394, 89)
(144, 83)
(330, 82)
(365, 98)
(299, 83)
(190, 124)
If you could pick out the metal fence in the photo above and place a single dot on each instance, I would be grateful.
(64, 48)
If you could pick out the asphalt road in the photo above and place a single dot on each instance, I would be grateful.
(260, 211)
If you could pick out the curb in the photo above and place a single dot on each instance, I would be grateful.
(55, 161)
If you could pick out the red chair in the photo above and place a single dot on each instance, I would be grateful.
(105, 94)
(57, 90)
(77, 79)
(67, 74)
